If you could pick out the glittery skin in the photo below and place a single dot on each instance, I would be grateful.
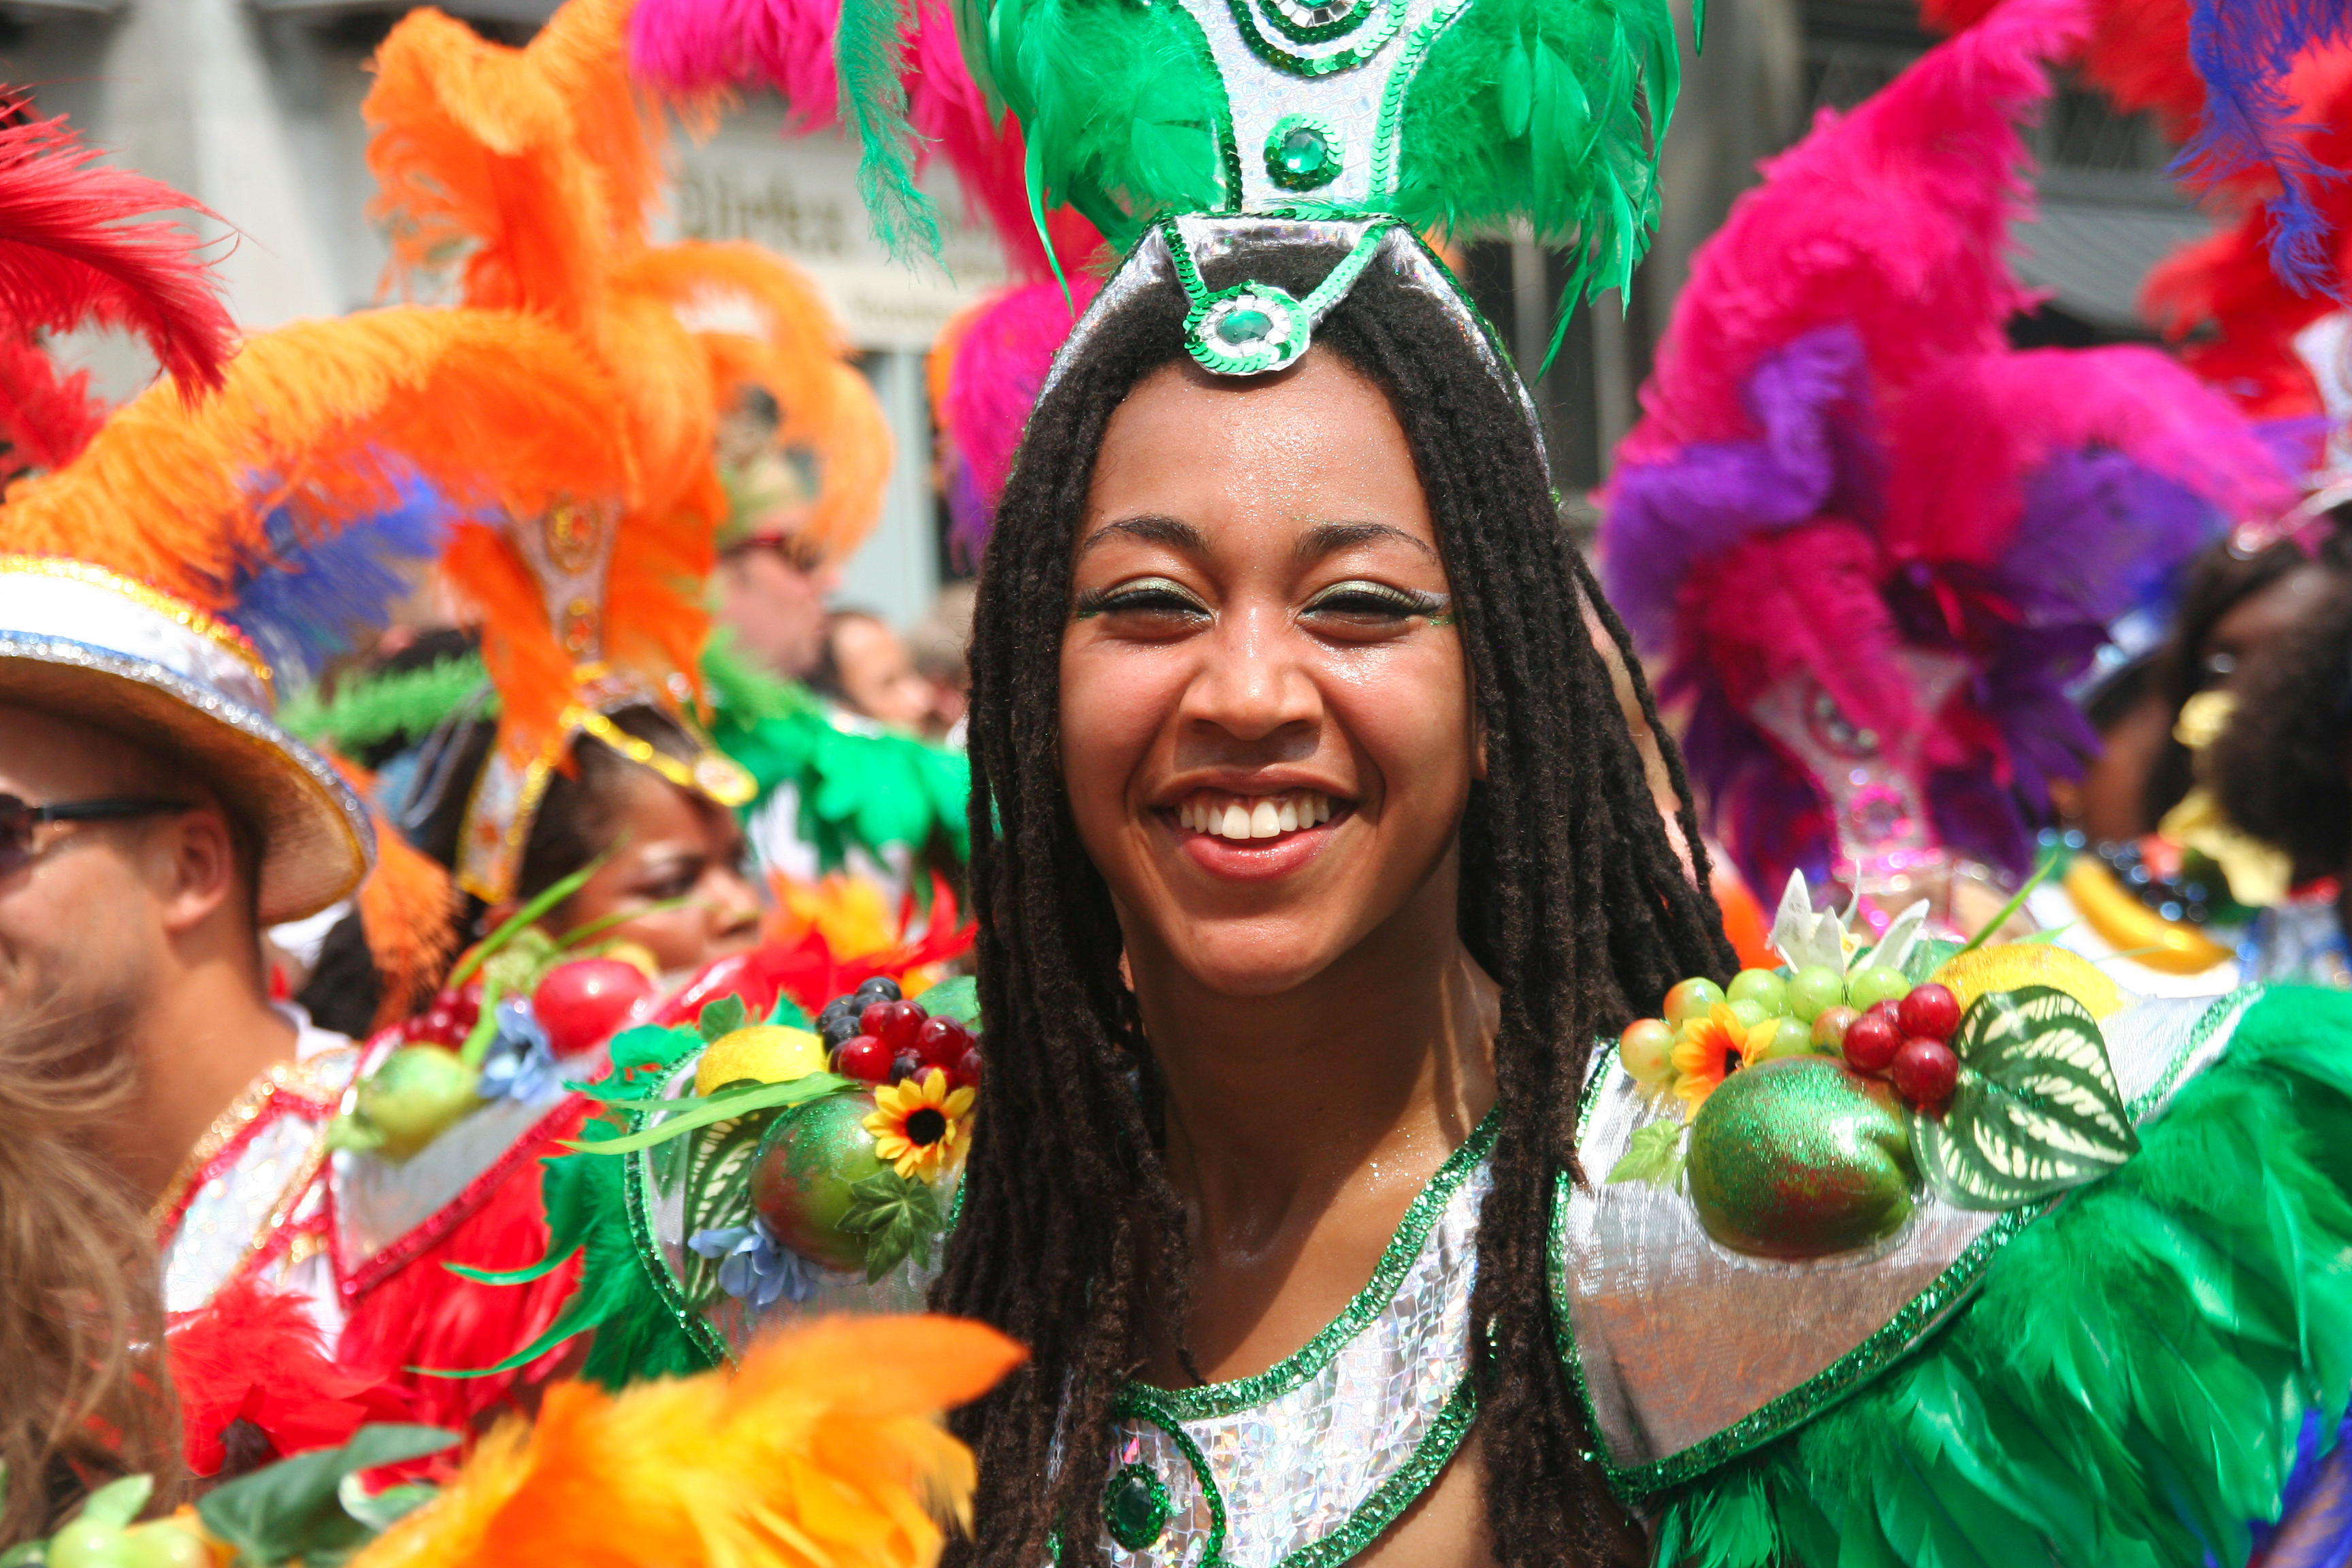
(1797, 1158)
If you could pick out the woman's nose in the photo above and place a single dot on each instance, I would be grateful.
(1255, 683)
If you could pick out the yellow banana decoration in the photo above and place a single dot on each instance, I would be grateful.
(2131, 927)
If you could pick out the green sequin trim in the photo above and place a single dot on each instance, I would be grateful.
(2233, 1005)
(635, 1181)
(1408, 65)
(1365, 1522)
(1316, 32)
(1393, 1496)
(1859, 1366)
(1310, 66)
(1215, 1400)
(1137, 1534)
(1132, 1405)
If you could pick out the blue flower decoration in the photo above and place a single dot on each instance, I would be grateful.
(520, 1064)
(759, 1270)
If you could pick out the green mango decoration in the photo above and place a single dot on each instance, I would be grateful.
(1799, 1158)
(804, 1170)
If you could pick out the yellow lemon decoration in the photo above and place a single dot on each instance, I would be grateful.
(770, 1053)
(2011, 966)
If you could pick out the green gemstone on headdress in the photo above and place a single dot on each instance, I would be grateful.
(1305, 154)
(1136, 1508)
(1245, 326)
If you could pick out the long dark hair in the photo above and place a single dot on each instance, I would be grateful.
(1573, 896)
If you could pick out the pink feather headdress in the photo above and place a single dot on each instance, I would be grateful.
(1867, 544)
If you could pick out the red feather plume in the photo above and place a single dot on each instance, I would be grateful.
(68, 256)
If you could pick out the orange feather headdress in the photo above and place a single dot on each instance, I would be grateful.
(528, 174)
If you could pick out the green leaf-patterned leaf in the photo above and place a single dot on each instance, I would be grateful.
(718, 1194)
(2037, 1111)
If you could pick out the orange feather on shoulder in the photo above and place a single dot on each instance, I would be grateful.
(824, 1448)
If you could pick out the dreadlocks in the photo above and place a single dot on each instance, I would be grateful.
(1573, 896)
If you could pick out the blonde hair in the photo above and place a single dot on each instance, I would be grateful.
(81, 1317)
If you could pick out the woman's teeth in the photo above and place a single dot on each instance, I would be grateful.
(1265, 817)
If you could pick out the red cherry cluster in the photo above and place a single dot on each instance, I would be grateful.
(446, 1020)
(1909, 1042)
(876, 1035)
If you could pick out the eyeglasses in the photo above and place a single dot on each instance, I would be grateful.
(17, 819)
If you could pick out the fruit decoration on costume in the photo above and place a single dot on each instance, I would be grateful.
(1869, 545)
(748, 1172)
(1805, 1103)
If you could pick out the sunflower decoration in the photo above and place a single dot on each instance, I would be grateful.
(919, 1126)
(1712, 1047)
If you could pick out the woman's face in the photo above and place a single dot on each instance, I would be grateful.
(670, 845)
(1260, 635)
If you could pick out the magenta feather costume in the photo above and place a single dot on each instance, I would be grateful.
(1868, 545)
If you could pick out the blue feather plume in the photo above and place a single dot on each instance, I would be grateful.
(311, 599)
(2244, 49)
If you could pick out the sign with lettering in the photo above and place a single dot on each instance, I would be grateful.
(798, 196)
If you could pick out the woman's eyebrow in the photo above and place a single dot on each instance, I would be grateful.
(1326, 538)
(1173, 533)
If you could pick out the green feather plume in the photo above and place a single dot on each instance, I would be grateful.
(2127, 1387)
(1546, 109)
(367, 710)
(870, 58)
(872, 791)
(636, 1334)
(1119, 102)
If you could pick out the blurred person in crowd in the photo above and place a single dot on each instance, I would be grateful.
(2232, 607)
(863, 669)
(2281, 773)
(941, 641)
(771, 585)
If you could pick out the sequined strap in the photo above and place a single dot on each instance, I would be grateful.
(1305, 1464)
(1688, 1354)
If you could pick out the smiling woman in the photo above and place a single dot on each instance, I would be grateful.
(1312, 848)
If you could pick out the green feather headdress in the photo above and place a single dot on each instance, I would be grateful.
(1452, 116)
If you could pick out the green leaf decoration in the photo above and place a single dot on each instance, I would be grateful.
(722, 1018)
(717, 1185)
(381, 1510)
(295, 1509)
(1927, 955)
(2037, 1110)
(736, 1099)
(1654, 1154)
(899, 1217)
(118, 1502)
(957, 1000)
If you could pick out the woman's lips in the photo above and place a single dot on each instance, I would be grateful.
(1254, 838)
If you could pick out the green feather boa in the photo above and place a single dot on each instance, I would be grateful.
(2127, 1388)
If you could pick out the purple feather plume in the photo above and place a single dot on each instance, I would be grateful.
(311, 599)
(2243, 50)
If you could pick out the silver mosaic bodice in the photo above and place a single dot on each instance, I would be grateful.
(1305, 1464)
